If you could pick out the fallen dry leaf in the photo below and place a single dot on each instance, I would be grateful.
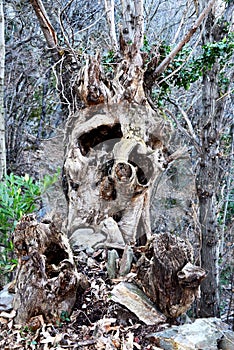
(8, 315)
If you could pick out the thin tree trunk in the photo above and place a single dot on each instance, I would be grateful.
(2, 116)
(109, 5)
(212, 124)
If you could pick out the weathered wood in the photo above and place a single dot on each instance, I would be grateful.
(115, 151)
(166, 274)
(112, 161)
(46, 277)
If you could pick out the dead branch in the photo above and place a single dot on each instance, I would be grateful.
(110, 7)
(186, 118)
(46, 26)
(183, 130)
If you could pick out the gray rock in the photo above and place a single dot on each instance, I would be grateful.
(6, 299)
(111, 265)
(203, 334)
(126, 261)
(86, 237)
(227, 341)
(136, 301)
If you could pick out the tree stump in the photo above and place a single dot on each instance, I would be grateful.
(46, 277)
(166, 274)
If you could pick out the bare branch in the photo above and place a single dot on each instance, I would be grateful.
(133, 22)
(184, 41)
(183, 130)
(91, 25)
(186, 118)
(45, 24)
(110, 6)
(186, 60)
(184, 14)
(139, 24)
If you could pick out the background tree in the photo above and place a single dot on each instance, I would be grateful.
(213, 124)
(2, 114)
(32, 108)
(212, 61)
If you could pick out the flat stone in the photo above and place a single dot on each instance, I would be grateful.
(6, 299)
(203, 334)
(86, 237)
(136, 301)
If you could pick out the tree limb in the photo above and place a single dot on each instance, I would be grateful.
(110, 7)
(186, 118)
(45, 24)
(133, 22)
(163, 65)
(139, 24)
(190, 136)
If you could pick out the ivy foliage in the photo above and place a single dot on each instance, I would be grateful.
(185, 70)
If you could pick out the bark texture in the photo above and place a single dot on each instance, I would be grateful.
(166, 274)
(210, 174)
(46, 277)
(113, 156)
(2, 115)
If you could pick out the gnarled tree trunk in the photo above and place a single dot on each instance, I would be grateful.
(116, 147)
(114, 154)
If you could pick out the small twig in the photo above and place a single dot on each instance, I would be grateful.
(186, 118)
(91, 25)
(225, 95)
(181, 22)
(183, 130)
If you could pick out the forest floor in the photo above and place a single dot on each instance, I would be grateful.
(96, 321)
